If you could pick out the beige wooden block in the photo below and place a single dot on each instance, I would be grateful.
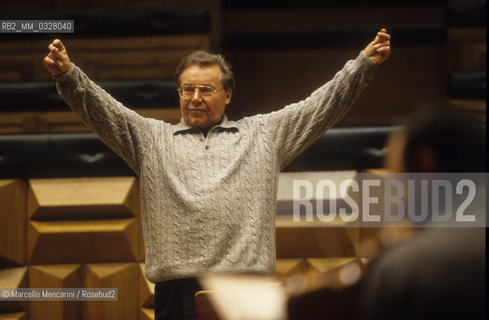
(14, 316)
(124, 277)
(82, 241)
(289, 267)
(146, 314)
(56, 276)
(83, 198)
(328, 264)
(146, 290)
(12, 222)
(13, 278)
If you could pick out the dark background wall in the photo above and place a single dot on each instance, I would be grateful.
(282, 54)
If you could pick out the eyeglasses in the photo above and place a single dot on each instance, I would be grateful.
(205, 91)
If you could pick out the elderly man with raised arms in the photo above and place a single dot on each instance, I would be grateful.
(209, 184)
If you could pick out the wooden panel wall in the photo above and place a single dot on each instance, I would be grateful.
(413, 76)
(73, 233)
(111, 58)
(467, 53)
(13, 222)
(297, 49)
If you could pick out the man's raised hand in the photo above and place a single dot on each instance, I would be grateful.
(57, 61)
(379, 50)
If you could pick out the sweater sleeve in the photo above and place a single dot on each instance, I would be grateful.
(121, 129)
(295, 127)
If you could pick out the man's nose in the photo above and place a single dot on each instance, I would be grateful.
(196, 95)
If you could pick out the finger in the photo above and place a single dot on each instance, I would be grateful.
(384, 50)
(52, 56)
(58, 44)
(382, 31)
(48, 61)
(52, 48)
(380, 38)
(382, 44)
(59, 64)
(383, 36)
(56, 53)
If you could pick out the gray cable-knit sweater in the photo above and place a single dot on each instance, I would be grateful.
(208, 203)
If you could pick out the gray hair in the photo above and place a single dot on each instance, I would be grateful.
(206, 59)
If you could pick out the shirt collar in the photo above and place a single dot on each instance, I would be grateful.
(183, 127)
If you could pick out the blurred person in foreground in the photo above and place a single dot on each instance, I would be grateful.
(439, 273)
(208, 184)
(435, 273)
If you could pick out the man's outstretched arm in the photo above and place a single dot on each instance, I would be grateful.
(295, 127)
(123, 130)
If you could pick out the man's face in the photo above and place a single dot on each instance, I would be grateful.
(200, 110)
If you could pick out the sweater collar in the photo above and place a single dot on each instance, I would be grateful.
(183, 127)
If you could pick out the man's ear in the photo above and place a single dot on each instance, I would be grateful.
(229, 94)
